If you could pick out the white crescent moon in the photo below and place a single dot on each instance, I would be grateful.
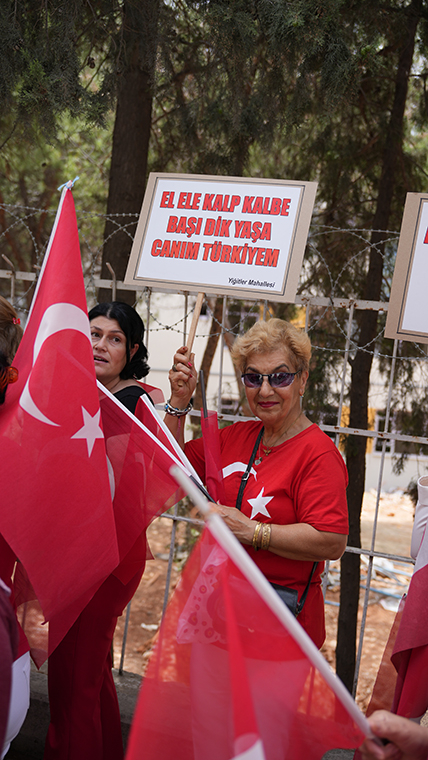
(237, 467)
(58, 317)
(111, 478)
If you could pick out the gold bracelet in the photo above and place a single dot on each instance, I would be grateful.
(266, 534)
(257, 530)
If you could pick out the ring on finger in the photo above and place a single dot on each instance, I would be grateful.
(174, 368)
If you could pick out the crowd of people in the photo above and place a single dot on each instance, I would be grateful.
(285, 501)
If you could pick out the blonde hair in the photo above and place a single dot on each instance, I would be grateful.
(10, 329)
(274, 334)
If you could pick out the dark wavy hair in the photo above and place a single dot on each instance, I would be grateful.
(132, 325)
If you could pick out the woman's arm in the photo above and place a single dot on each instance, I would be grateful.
(298, 541)
(182, 377)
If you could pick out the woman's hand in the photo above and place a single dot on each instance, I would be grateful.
(408, 740)
(296, 541)
(240, 525)
(182, 377)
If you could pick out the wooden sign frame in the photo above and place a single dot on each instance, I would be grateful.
(408, 306)
(232, 236)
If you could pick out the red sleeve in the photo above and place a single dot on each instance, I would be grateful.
(194, 451)
(320, 494)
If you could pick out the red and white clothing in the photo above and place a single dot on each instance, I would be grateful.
(85, 720)
(301, 481)
(8, 650)
(20, 688)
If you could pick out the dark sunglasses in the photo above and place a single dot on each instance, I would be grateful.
(275, 379)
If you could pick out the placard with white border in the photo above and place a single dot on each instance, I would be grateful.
(226, 235)
(408, 306)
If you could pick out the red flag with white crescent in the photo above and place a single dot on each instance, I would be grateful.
(56, 510)
(233, 675)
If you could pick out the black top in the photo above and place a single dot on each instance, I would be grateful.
(130, 395)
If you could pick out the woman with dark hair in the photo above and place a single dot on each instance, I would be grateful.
(120, 355)
(85, 718)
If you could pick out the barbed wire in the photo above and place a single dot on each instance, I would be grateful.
(123, 222)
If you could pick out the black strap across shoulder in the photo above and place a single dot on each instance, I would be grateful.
(238, 504)
(246, 474)
(305, 593)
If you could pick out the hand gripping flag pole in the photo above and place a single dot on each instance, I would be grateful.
(233, 675)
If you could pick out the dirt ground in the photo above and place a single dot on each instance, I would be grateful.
(394, 529)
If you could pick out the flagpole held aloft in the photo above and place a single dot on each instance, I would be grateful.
(50, 436)
(68, 184)
(174, 444)
(250, 570)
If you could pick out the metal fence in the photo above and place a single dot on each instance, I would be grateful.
(18, 284)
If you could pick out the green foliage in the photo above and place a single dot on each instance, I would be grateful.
(39, 59)
(29, 195)
(263, 88)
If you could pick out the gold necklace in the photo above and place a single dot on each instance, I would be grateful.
(264, 451)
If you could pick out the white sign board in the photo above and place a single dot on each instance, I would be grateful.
(224, 235)
(408, 306)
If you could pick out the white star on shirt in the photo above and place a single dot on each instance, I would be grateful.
(91, 429)
(258, 505)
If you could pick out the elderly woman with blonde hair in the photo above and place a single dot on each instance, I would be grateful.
(285, 481)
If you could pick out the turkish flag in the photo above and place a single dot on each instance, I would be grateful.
(141, 487)
(139, 460)
(402, 683)
(410, 654)
(56, 510)
(212, 455)
(233, 674)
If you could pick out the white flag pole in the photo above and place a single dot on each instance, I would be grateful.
(64, 189)
(177, 463)
(174, 443)
(240, 558)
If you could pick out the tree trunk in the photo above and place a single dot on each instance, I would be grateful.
(131, 136)
(361, 366)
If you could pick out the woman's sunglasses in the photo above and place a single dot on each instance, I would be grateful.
(275, 379)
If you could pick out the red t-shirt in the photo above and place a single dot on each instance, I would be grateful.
(301, 481)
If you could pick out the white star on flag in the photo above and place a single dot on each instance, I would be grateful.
(91, 429)
(255, 752)
(258, 505)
